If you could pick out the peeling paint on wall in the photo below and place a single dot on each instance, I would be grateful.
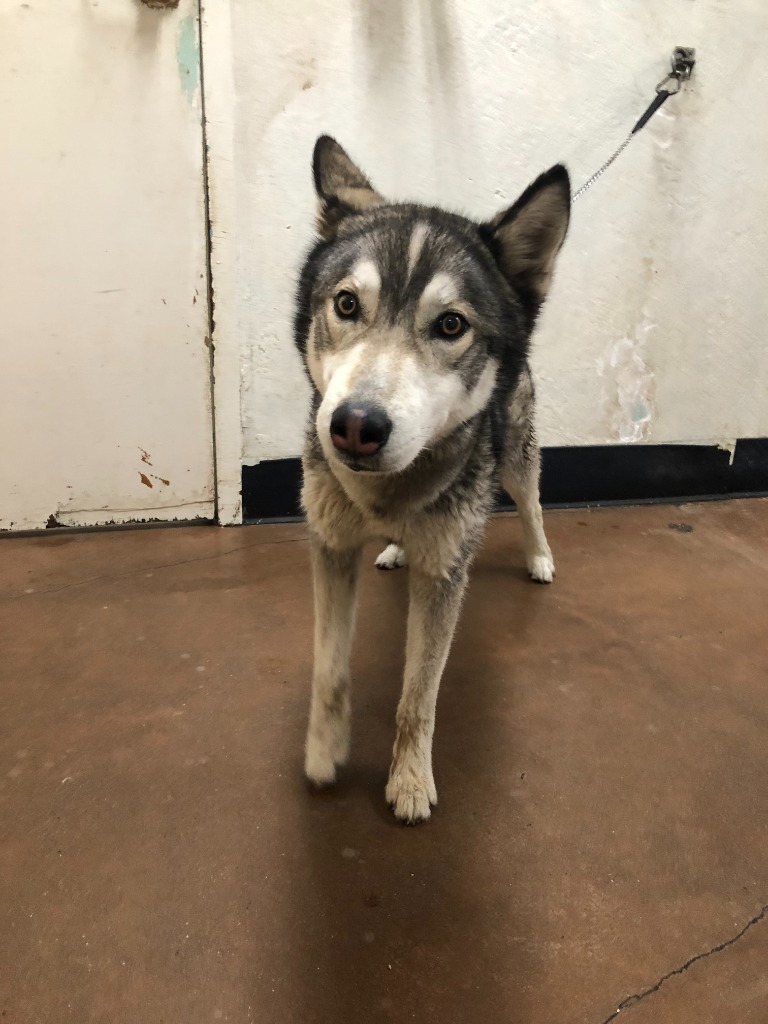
(188, 57)
(632, 384)
(728, 445)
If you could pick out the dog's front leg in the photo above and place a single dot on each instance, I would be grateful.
(335, 586)
(432, 615)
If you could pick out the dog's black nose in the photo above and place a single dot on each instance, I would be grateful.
(359, 429)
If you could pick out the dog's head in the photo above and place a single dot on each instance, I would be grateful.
(412, 320)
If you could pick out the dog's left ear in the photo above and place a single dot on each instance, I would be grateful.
(527, 237)
(342, 188)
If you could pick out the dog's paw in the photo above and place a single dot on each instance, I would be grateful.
(541, 568)
(411, 795)
(319, 766)
(392, 557)
(325, 752)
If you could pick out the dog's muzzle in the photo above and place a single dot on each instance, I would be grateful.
(359, 430)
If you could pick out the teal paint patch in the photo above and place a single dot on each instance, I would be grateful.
(188, 57)
(639, 411)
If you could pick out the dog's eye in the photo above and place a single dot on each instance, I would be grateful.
(346, 305)
(451, 325)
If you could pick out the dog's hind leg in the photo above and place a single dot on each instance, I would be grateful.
(520, 473)
(432, 614)
(392, 557)
(335, 586)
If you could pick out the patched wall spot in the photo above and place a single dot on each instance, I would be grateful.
(187, 57)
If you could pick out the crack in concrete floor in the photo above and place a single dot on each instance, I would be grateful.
(638, 997)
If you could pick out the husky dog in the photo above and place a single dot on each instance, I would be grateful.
(414, 325)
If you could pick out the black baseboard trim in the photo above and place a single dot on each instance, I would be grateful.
(572, 478)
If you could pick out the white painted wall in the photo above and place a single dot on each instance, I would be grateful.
(656, 325)
(105, 412)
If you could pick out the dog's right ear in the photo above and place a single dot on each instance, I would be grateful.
(342, 188)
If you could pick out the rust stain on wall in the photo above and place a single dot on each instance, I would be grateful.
(145, 480)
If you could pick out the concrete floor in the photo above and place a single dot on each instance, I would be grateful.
(601, 760)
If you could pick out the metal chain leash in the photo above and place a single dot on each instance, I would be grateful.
(683, 61)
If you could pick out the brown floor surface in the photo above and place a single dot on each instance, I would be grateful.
(601, 762)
